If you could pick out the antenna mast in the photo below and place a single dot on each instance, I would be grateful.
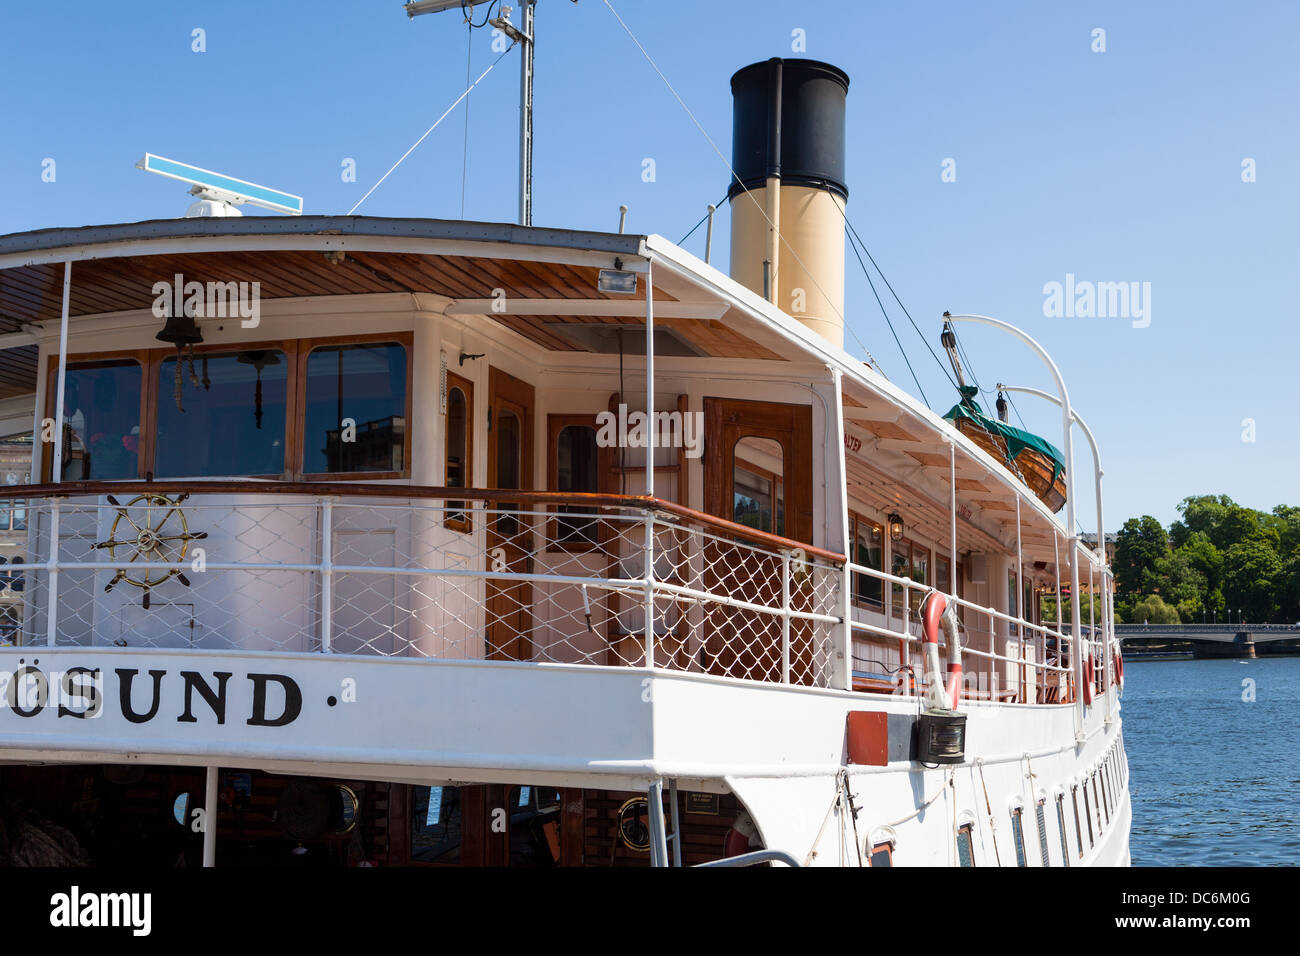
(524, 36)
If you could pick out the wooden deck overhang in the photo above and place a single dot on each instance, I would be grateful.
(533, 281)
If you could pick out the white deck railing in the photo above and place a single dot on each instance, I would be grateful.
(392, 571)
(407, 572)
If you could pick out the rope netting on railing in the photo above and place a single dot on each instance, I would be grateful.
(263, 568)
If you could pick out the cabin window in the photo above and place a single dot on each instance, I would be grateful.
(576, 473)
(911, 560)
(758, 495)
(965, 845)
(534, 826)
(1018, 836)
(1087, 813)
(882, 854)
(16, 463)
(459, 446)
(1013, 605)
(920, 573)
(436, 824)
(509, 432)
(1060, 826)
(231, 423)
(101, 421)
(1078, 830)
(1105, 794)
(1096, 800)
(355, 409)
(13, 515)
(1040, 811)
(868, 552)
(942, 573)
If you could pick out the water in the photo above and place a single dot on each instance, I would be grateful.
(1213, 778)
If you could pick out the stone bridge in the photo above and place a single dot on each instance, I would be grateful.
(1213, 640)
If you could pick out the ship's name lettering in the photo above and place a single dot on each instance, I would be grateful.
(275, 700)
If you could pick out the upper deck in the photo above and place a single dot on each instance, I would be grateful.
(414, 439)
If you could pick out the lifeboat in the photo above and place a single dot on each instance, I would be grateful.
(1036, 461)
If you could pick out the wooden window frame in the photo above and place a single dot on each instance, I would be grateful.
(144, 451)
(287, 346)
(884, 846)
(305, 347)
(466, 525)
(296, 353)
(778, 481)
(605, 461)
(858, 518)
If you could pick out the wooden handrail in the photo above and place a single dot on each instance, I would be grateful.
(72, 489)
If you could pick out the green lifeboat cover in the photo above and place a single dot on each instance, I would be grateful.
(1017, 439)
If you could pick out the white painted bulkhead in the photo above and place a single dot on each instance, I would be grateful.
(780, 749)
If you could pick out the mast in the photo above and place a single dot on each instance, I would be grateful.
(416, 8)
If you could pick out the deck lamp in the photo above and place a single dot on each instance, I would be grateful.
(895, 527)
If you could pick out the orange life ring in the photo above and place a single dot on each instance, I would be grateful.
(741, 836)
(933, 612)
(1087, 679)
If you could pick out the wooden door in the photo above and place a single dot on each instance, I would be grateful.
(509, 536)
(757, 472)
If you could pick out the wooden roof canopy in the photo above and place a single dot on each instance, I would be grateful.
(904, 466)
(115, 268)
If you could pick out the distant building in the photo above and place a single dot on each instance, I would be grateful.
(1090, 541)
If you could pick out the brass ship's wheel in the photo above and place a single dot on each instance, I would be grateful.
(143, 522)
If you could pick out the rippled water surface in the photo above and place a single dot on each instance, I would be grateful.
(1213, 777)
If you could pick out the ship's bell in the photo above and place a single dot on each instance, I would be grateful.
(180, 331)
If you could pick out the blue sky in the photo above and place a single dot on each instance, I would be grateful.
(1115, 166)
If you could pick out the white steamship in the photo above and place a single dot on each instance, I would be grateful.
(360, 583)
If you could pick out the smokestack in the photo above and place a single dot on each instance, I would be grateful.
(787, 149)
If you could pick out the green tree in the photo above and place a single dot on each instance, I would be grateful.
(1203, 513)
(1202, 555)
(1179, 581)
(1252, 577)
(1138, 546)
(1152, 610)
(1289, 590)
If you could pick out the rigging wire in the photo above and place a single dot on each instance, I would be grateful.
(468, 13)
(716, 206)
(703, 132)
(888, 322)
(464, 160)
(435, 125)
(888, 285)
(1015, 408)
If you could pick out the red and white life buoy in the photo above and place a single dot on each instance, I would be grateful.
(1088, 678)
(741, 837)
(1119, 667)
(936, 612)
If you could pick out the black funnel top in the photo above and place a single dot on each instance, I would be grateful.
(788, 121)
